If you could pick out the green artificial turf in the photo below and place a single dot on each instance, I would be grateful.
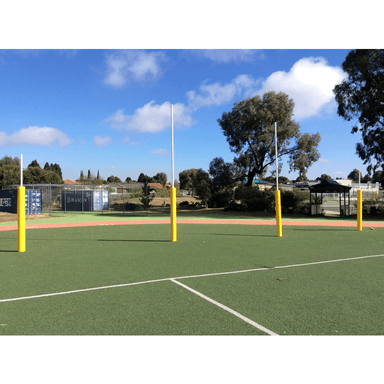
(319, 299)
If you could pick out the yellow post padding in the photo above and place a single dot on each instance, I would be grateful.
(173, 215)
(278, 214)
(359, 210)
(21, 219)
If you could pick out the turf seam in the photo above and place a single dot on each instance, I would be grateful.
(185, 277)
(231, 311)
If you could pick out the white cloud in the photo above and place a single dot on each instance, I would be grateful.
(217, 94)
(102, 141)
(309, 83)
(160, 151)
(133, 65)
(41, 136)
(151, 118)
(227, 55)
(127, 141)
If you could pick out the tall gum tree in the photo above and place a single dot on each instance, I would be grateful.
(361, 96)
(250, 132)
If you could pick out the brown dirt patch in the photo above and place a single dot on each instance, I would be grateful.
(6, 217)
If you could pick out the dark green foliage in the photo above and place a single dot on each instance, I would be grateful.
(250, 132)
(378, 177)
(37, 175)
(34, 163)
(113, 179)
(53, 167)
(291, 201)
(34, 174)
(203, 186)
(221, 198)
(146, 196)
(254, 199)
(161, 178)
(354, 175)
(282, 179)
(222, 174)
(361, 96)
(187, 179)
(324, 176)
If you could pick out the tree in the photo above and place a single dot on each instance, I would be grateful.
(202, 186)
(128, 180)
(222, 174)
(82, 178)
(37, 175)
(282, 179)
(324, 176)
(34, 163)
(361, 95)
(146, 195)
(354, 175)
(187, 179)
(7, 160)
(161, 178)
(9, 171)
(378, 177)
(89, 177)
(113, 179)
(144, 178)
(49, 167)
(250, 132)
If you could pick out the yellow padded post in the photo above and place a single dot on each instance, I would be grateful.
(173, 215)
(21, 219)
(359, 210)
(278, 214)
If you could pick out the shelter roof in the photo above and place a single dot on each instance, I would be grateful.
(329, 186)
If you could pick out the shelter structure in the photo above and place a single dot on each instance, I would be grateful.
(330, 186)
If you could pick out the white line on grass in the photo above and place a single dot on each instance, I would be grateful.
(82, 290)
(249, 321)
(184, 277)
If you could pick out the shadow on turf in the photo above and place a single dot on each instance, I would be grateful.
(6, 250)
(141, 241)
(239, 234)
(333, 229)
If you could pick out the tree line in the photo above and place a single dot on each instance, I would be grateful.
(160, 177)
(33, 174)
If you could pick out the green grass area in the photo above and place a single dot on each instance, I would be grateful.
(338, 298)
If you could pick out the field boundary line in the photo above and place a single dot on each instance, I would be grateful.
(231, 311)
(185, 277)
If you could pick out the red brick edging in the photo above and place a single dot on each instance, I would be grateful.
(187, 221)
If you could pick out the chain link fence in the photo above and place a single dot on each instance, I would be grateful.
(91, 198)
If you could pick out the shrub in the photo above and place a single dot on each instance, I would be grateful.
(221, 198)
(254, 199)
(292, 200)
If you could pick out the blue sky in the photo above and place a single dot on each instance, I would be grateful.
(109, 110)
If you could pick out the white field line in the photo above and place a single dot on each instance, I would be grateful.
(249, 321)
(184, 277)
(82, 290)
